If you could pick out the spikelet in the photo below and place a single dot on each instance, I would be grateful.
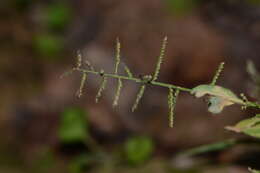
(172, 98)
(101, 89)
(160, 59)
(79, 59)
(78, 65)
(216, 76)
(244, 97)
(67, 73)
(82, 83)
(89, 65)
(118, 47)
(138, 97)
(245, 100)
(127, 70)
(118, 92)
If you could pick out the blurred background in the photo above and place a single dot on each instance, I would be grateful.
(46, 128)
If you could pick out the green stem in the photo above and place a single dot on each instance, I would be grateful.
(161, 84)
(137, 80)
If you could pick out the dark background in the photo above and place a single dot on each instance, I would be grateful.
(39, 40)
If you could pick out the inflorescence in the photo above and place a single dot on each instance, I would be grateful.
(221, 96)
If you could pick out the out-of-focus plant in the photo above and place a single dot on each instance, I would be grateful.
(219, 97)
(21, 5)
(48, 46)
(78, 164)
(73, 126)
(253, 170)
(255, 77)
(58, 16)
(250, 126)
(138, 149)
(182, 7)
(254, 2)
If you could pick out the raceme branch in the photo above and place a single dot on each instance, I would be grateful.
(219, 97)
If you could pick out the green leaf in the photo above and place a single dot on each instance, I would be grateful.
(219, 97)
(182, 7)
(48, 45)
(73, 126)
(249, 126)
(80, 162)
(58, 16)
(211, 147)
(253, 170)
(138, 149)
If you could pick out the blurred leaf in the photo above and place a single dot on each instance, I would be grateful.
(48, 45)
(253, 170)
(58, 16)
(138, 149)
(254, 2)
(251, 69)
(21, 4)
(249, 126)
(255, 76)
(219, 97)
(211, 147)
(182, 7)
(77, 164)
(73, 126)
(45, 162)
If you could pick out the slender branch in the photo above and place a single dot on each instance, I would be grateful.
(217, 74)
(137, 80)
(152, 80)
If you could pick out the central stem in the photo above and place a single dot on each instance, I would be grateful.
(137, 80)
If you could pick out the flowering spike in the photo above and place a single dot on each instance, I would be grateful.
(82, 83)
(128, 71)
(217, 74)
(89, 65)
(67, 73)
(118, 47)
(101, 89)
(79, 59)
(118, 92)
(172, 99)
(160, 59)
(138, 97)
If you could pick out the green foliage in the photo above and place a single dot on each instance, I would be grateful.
(138, 150)
(78, 164)
(58, 16)
(219, 97)
(253, 170)
(211, 147)
(45, 162)
(255, 76)
(21, 4)
(73, 126)
(48, 46)
(249, 126)
(254, 2)
(182, 7)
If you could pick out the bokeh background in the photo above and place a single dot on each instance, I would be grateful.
(46, 128)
